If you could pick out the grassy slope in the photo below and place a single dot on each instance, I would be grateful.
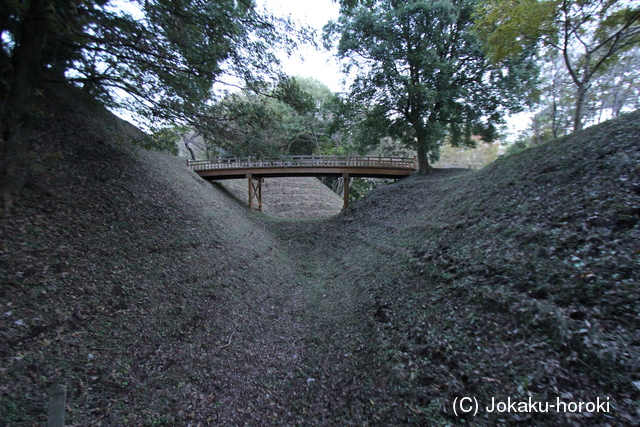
(143, 288)
(519, 280)
(158, 298)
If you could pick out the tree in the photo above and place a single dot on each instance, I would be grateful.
(290, 118)
(312, 133)
(165, 54)
(590, 35)
(556, 100)
(616, 89)
(422, 75)
(612, 91)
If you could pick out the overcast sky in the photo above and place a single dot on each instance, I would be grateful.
(317, 64)
(321, 65)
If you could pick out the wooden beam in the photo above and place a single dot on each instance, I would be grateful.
(260, 181)
(255, 192)
(250, 179)
(265, 172)
(345, 182)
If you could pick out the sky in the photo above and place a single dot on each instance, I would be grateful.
(307, 61)
(321, 65)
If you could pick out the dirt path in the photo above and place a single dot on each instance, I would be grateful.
(341, 267)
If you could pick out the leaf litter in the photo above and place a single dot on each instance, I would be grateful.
(159, 300)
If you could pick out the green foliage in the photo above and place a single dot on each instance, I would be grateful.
(510, 26)
(165, 54)
(294, 95)
(360, 187)
(516, 147)
(289, 118)
(393, 148)
(162, 139)
(423, 75)
(590, 35)
(344, 115)
(12, 410)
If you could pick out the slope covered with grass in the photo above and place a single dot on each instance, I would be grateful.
(159, 299)
(144, 289)
(520, 280)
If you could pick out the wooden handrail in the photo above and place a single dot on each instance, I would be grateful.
(304, 161)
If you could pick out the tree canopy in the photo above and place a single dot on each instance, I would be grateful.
(291, 118)
(612, 91)
(422, 76)
(165, 54)
(590, 35)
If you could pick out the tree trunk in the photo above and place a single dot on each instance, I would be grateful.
(580, 98)
(423, 162)
(186, 145)
(17, 102)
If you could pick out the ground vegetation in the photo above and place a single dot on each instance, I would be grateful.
(158, 299)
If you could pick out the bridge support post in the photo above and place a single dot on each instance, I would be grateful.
(345, 182)
(255, 192)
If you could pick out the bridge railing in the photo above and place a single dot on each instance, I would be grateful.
(304, 161)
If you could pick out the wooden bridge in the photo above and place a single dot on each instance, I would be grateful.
(339, 166)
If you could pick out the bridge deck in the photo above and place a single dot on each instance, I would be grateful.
(341, 166)
(377, 167)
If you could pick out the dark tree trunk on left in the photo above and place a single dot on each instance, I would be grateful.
(23, 72)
